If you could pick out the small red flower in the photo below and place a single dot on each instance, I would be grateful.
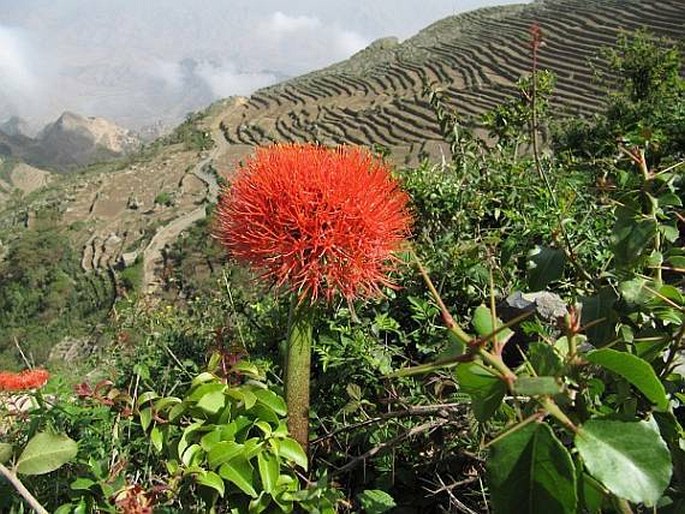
(27, 379)
(316, 221)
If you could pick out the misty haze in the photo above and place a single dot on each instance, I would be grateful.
(140, 63)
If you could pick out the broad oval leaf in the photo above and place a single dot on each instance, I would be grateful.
(291, 450)
(271, 400)
(212, 402)
(482, 323)
(46, 452)
(628, 458)
(375, 501)
(82, 484)
(536, 386)
(239, 472)
(532, 472)
(146, 397)
(269, 469)
(212, 480)
(486, 390)
(145, 418)
(635, 370)
(223, 452)
(157, 438)
(545, 265)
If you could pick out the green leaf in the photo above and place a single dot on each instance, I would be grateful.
(545, 265)
(375, 501)
(259, 504)
(82, 484)
(271, 400)
(46, 452)
(635, 370)
(239, 472)
(291, 450)
(243, 395)
(599, 310)
(203, 377)
(482, 323)
(185, 441)
(486, 390)
(269, 469)
(212, 402)
(536, 386)
(210, 439)
(592, 494)
(669, 232)
(545, 360)
(156, 438)
(203, 389)
(6, 451)
(531, 472)
(628, 458)
(146, 397)
(190, 454)
(631, 235)
(223, 452)
(164, 403)
(145, 418)
(177, 411)
(212, 480)
(248, 369)
(634, 291)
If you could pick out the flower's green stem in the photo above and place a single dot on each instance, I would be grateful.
(297, 370)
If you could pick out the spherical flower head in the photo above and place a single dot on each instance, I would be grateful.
(319, 222)
(27, 379)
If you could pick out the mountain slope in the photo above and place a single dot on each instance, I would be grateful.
(376, 97)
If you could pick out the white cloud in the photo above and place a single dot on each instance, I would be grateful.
(16, 77)
(296, 44)
(281, 24)
(168, 72)
(226, 80)
(126, 61)
(348, 42)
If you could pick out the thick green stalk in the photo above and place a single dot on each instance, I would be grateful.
(297, 371)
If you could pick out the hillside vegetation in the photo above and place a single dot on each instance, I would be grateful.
(526, 354)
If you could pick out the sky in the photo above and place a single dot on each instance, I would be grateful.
(138, 62)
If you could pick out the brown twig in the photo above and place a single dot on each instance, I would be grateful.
(419, 410)
(453, 499)
(425, 427)
(21, 489)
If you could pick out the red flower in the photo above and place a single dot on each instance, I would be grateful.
(27, 379)
(317, 221)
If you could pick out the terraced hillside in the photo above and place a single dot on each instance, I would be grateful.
(376, 97)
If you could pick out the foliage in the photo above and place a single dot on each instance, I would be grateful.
(436, 390)
(591, 417)
(44, 295)
(190, 134)
(165, 199)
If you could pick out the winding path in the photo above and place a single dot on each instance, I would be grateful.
(152, 254)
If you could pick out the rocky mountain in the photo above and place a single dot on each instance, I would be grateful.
(70, 142)
(14, 126)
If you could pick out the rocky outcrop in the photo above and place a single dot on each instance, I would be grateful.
(74, 140)
(69, 142)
